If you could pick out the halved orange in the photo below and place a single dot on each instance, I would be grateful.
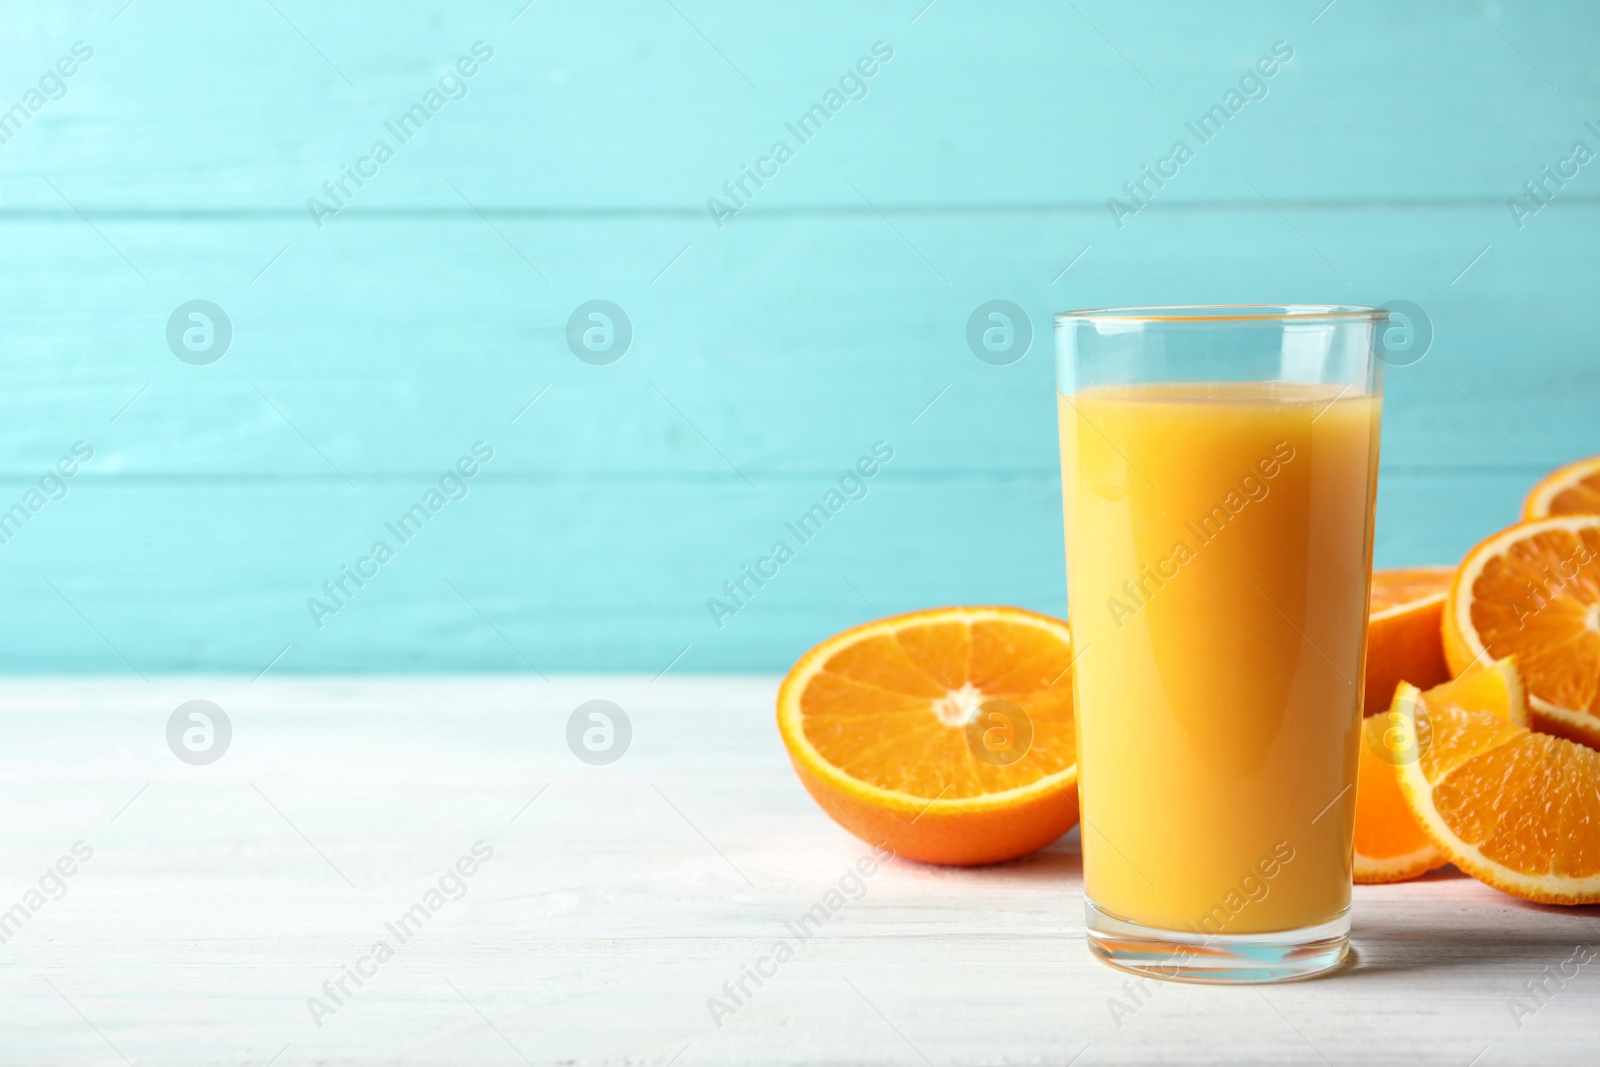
(1403, 643)
(1515, 809)
(1533, 591)
(944, 735)
(1570, 490)
(1390, 845)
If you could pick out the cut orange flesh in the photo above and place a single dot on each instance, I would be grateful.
(1403, 643)
(1533, 591)
(945, 735)
(1400, 587)
(1390, 845)
(1570, 490)
(1515, 809)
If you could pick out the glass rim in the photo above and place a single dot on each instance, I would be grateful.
(1226, 313)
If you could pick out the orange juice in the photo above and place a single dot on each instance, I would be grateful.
(1219, 546)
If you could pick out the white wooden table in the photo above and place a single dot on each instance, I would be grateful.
(618, 900)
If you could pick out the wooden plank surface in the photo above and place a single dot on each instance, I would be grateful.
(826, 315)
(619, 899)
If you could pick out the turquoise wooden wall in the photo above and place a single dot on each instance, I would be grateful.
(767, 354)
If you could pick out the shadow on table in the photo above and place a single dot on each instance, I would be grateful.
(1059, 864)
(1391, 936)
(1395, 935)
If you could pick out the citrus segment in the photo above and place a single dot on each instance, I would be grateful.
(943, 735)
(1398, 587)
(1515, 809)
(1403, 643)
(1533, 591)
(1495, 687)
(1570, 490)
(1389, 844)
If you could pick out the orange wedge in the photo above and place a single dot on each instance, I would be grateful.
(1403, 643)
(944, 736)
(1515, 809)
(1570, 490)
(1390, 845)
(1533, 591)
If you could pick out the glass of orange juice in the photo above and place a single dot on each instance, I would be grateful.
(1218, 469)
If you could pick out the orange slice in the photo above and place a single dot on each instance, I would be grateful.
(1390, 845)
(1533, 591)
(945, 735)
(1403, 643)
(1513, 808)
(1570, 490)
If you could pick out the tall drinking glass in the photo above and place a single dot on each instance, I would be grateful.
(1218, 468)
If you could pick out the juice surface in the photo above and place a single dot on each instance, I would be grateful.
(1219, 547)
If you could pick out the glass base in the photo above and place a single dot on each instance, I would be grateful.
(1228, 959)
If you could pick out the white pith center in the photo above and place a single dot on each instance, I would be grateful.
(959, 706)
(1592, 617)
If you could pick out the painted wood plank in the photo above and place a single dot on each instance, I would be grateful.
(636, 104)
(526, 575)
(392, 345)
(219, 898)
